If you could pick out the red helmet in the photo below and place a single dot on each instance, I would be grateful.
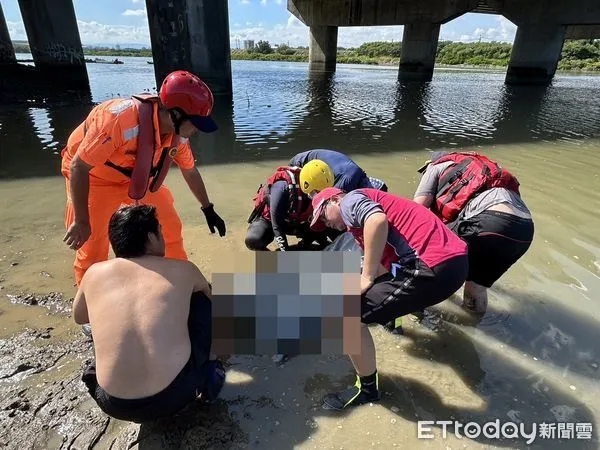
(185, 91)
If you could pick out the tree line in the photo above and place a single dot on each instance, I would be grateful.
(576, 54)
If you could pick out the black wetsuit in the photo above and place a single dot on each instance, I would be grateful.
(261, 232)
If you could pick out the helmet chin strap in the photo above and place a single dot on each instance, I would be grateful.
(176, 121)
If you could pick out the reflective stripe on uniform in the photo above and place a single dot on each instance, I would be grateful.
(295, 183)
(120, 107)
(131, 133)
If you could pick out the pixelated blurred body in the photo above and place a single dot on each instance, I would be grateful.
(151, 322)
(289, 303)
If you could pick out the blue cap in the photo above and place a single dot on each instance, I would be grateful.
(204, 123)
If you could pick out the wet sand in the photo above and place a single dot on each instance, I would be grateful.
(533, 357)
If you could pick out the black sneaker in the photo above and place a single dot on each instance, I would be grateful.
(352, 396)
(395, 326)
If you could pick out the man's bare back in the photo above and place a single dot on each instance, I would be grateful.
(138, 309)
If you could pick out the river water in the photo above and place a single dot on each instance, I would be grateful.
(533, 357)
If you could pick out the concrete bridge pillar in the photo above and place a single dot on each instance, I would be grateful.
(535, 54)
(192, 35)
(7, 51)
(419, 47)
(54, 40)
(323, 48)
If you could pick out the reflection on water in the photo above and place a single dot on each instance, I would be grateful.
(278, 110)
(41, 125)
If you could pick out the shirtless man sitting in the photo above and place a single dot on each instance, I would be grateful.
(151, 324)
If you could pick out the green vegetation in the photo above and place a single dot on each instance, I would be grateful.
(580, 55)
(144, 53)
(474, 54)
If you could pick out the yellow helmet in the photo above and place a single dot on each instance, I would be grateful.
(316, 176)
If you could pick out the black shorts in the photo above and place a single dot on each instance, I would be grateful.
(183, 390)
(412, 289)
(496, 241)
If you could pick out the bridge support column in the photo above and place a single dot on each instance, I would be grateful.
(55, 43)
(7, 51)
(191, 35)
(323, 48)
(535, 54)
(419, 46)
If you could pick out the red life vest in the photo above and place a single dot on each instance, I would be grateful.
(143, 174)
(468, 176)
(300, 207)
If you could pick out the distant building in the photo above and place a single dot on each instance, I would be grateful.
(248, 44)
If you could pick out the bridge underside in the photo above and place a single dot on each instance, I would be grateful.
(543, 25)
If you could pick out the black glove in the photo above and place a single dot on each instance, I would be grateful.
(213, 220)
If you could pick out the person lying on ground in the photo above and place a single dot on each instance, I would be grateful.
(150, 318)
(481, 203)
(411, 261)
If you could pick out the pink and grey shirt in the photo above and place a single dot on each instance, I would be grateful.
(414, 232)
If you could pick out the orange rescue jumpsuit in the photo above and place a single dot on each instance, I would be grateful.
(112, 135)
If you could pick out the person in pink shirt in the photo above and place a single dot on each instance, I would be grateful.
(411, 261)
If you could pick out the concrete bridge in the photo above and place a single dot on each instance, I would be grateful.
(543, 25)
(194, 35)
(185, 34)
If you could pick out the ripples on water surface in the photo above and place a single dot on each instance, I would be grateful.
(279, 110)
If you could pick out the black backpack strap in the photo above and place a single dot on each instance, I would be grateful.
(454, 173)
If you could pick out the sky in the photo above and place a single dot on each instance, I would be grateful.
(112, 22)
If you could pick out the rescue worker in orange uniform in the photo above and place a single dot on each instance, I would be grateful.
(121, 154)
